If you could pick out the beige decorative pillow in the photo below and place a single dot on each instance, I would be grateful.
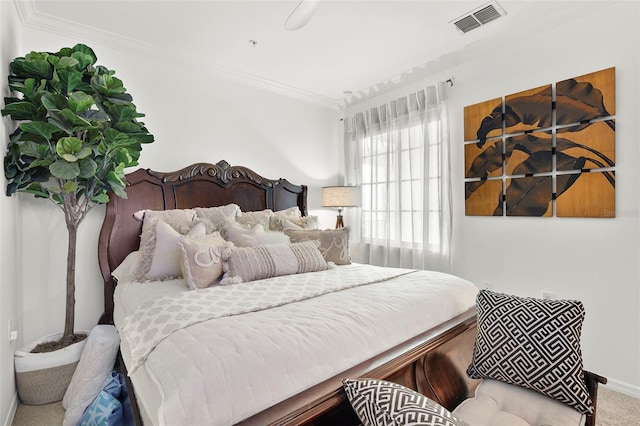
(214, 218)
(279, 223)
(252, 236)
(242, 264)
(256, 218)
(180, 220)
(201, 260)
(334, 243)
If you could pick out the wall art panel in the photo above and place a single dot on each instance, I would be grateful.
(555, 157)
(480, 114)
(484, 197)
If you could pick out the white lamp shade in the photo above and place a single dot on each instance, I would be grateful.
(340, 196)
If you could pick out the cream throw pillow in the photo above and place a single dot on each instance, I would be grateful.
(334, 243)
(201, 259)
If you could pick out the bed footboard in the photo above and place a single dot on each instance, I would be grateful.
(433, 363)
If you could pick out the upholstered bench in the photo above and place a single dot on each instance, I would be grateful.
(502, 404)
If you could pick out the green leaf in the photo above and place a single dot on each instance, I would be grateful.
(80, 102)
(21, 111)
(84, 152)
(69, 80)
(37, 190)
(101, 198)
(69, 157)
(70, 186)
(88, 168)
(53, 102)
(67, 62)
(38, 67)
(84, 54)
(45, 162)
(44, 129)
(28, 87)
(64, 170)
(68, 145)
(74, 118)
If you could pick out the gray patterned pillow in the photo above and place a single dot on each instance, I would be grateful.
(334, 243)
(382, 403)
(242, 264)
(533, 343)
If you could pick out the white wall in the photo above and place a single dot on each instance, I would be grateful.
(195, 115)
(594, 260)
(9, 229)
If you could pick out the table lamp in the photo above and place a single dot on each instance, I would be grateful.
(340, 197)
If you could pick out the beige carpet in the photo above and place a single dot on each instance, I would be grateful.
(614, 409)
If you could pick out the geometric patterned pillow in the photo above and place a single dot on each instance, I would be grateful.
(382, 403)
(533, 343)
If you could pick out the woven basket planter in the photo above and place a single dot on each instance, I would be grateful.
(43, 378)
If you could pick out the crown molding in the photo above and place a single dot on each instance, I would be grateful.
(31, 17)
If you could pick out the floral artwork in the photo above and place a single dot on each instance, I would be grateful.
(552, 149)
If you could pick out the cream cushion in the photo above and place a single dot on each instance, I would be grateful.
(501, 404)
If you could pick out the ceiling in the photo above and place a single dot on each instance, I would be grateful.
(357, 46)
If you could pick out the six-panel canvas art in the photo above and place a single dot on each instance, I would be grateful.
(548, 151)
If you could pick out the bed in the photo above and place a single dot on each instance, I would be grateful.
(282, 364)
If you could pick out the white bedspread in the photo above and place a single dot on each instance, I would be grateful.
(223, 370)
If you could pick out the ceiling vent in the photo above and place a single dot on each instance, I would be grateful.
(478, 17)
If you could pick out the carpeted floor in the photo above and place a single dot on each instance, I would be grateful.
(614, 409)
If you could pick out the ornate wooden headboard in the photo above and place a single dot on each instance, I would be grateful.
(199, 185)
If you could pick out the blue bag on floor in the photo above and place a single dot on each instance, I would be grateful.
(111, 407)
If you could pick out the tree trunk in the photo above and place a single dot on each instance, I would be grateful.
(69, 319)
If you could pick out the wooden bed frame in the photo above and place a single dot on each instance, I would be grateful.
(432, 363)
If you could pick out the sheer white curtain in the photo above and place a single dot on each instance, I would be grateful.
(398, 154)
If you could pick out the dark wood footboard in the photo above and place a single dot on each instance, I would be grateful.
(433, 363)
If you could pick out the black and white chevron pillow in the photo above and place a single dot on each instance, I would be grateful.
(382, 403)
(533, 343)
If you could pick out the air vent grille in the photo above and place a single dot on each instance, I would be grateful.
(478, 17)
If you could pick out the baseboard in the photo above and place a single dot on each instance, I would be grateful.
(12, 410)
(624, 388)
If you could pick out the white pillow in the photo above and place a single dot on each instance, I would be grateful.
(166, 259)
(126, 271)
(96, 363)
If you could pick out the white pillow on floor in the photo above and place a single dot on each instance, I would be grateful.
(96, 363)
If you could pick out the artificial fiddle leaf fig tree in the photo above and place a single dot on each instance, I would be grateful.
(77, 132)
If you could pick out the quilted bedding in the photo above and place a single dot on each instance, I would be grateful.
(224, 368)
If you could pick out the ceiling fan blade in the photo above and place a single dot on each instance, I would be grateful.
(302, 14)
